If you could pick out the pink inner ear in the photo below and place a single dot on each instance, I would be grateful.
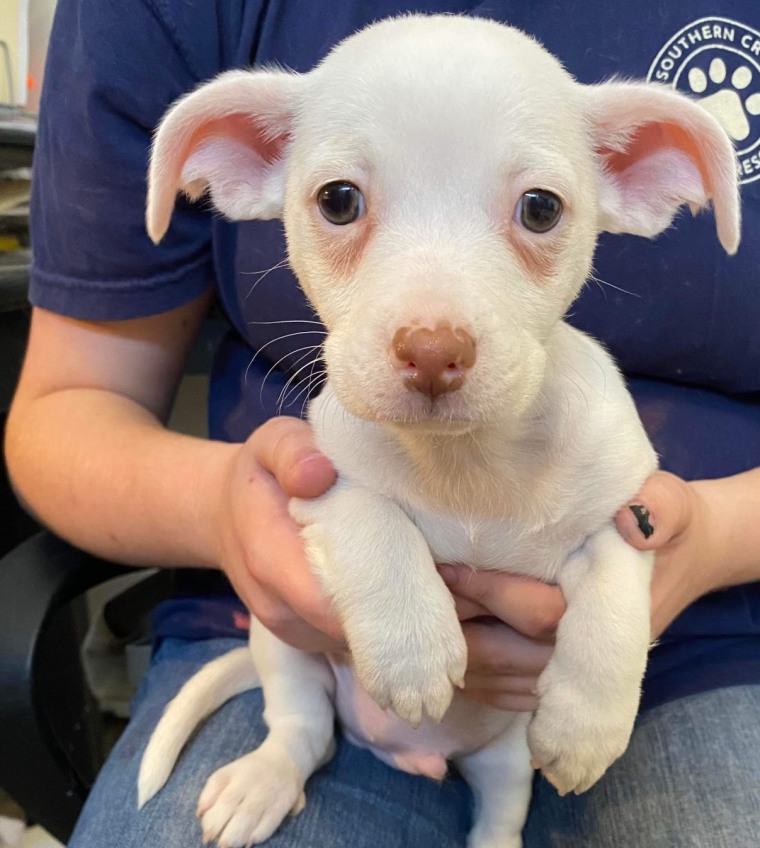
(662, 150)
(240, 127)
(170, 174)
(652, 138)
(237, 126)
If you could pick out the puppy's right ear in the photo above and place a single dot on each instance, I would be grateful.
(227, 136)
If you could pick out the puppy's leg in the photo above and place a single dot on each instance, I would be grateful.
(244, 802)
(500, 776)
(589, 691)
(398, 616)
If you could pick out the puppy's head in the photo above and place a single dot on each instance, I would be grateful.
(442, 181)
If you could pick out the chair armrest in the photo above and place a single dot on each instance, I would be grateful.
(49, 757)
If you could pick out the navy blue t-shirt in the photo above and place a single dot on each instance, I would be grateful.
(677, 313)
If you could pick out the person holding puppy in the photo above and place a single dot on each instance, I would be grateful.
(88, 451)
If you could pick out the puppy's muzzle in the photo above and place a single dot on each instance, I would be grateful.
(435, 361)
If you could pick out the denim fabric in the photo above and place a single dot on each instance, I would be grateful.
(691, 777)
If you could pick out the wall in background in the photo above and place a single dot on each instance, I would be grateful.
(25, 29)
(40, 22)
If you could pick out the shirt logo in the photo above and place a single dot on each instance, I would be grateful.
(718, 61)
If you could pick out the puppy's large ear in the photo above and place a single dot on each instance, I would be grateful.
(228, 136)
(657, 151)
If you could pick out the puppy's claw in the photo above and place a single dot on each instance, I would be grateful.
(560, 792)
(383, 701)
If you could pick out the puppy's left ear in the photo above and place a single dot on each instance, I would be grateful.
(657, 150)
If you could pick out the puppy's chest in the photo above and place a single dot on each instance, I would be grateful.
(504, 543)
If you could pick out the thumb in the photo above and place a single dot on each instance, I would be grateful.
(285, 447)
(659, 513)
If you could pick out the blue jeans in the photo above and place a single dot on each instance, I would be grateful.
(691, 777)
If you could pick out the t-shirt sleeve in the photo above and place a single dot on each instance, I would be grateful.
(112, 70)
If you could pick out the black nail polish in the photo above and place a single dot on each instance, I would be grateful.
(641, 514)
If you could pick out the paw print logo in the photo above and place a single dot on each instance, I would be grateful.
(731, 104)
(718, 61)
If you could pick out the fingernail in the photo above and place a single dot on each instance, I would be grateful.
(448, 574)
(643, 519)
(312, 457)
(317, 461)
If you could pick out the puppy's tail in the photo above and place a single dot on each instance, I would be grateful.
(205, 692)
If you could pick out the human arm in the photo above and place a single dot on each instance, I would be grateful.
(88, 453)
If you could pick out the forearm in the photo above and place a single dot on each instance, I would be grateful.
(102, 471)
(730, 507)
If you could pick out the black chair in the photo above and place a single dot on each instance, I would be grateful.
(50, 729)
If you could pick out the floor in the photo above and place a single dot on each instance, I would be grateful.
(13, 833)
(36, 837)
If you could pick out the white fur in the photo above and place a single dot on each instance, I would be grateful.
(444, 122)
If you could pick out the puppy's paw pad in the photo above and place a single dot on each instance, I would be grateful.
(244, 803)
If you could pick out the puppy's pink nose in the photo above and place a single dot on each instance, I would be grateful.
(433, 361)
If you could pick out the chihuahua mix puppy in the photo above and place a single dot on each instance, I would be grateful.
(443, 181)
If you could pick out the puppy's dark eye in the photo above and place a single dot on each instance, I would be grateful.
(340, 202)
(539, 210)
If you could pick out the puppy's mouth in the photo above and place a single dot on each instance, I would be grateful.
(412, 411)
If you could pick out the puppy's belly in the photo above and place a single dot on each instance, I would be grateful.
(467, 726)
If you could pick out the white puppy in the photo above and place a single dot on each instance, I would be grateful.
(443, 181)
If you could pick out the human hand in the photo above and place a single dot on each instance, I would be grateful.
(259, 544)
(509, 623)
(672, 518)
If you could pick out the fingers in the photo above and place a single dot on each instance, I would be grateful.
(497, 650)
(303, 598)
(503, 700)
(529, 606)
(285, 447)
(263, 554)
(468, 609)
(314, 629)
(658, 514)
(503, 666)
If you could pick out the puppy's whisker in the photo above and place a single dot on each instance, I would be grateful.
(602, 283)
(294, 381)
(283, 263)
(305, 388)
(292, 321)
(307, 348)
(273, 341)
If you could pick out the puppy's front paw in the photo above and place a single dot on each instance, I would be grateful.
(573, 742)
(247, 800)
(413, 670)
